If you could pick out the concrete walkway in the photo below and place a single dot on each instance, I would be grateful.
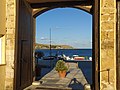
(74, 80)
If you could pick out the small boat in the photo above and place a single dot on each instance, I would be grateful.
(77, 58)
(49, 58)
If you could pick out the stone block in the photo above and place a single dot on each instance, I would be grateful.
(107, 44)
(107, 17)
(109, 3)
(107, 25)
(107, 35)
(107, 11)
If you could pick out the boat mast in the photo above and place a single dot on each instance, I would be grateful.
(50, 41)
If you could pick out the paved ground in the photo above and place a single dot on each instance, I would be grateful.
(74, 80)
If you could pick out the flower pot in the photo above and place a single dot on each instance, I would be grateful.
(62, 74)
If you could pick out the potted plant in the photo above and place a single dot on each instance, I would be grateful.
(61, 68)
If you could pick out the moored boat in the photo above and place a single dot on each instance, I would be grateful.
(78, 58)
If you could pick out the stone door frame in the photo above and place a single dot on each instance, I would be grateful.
(95, 44)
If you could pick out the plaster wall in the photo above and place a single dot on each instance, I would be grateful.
(2, 17)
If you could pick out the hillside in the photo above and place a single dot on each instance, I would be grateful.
(46, 46)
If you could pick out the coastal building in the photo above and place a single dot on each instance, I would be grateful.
(17, 37)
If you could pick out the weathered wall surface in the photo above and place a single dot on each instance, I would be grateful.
(2, 17)
(10, 43)
(2, 77)
(108, 40)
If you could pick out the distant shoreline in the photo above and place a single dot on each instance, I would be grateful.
(71, 49)
(46, 46)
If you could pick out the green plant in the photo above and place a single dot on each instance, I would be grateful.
(61, 66)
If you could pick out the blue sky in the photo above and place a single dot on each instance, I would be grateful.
(69, 26)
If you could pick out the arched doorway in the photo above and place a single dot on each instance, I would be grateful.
(25, 31)
(68, 26)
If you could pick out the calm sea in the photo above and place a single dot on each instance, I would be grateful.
(67, 52)
(86, 67)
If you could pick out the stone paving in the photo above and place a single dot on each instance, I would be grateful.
(74, 80)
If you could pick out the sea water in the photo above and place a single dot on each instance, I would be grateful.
(86, 67)
(67, 52)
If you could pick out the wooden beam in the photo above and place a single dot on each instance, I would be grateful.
(61, 4)
(46, 1)
(96, 45)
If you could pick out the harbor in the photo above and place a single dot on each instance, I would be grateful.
(79, 73)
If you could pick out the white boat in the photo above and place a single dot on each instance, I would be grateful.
(77, 58)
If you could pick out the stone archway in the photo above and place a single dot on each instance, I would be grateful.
(92, 9)
(37, 12)
(43, 7)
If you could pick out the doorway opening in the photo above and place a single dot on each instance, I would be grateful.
(69, 32)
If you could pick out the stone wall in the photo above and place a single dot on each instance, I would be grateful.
(108, 41)
(10, 43)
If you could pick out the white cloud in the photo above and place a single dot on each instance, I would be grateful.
(43, 38)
